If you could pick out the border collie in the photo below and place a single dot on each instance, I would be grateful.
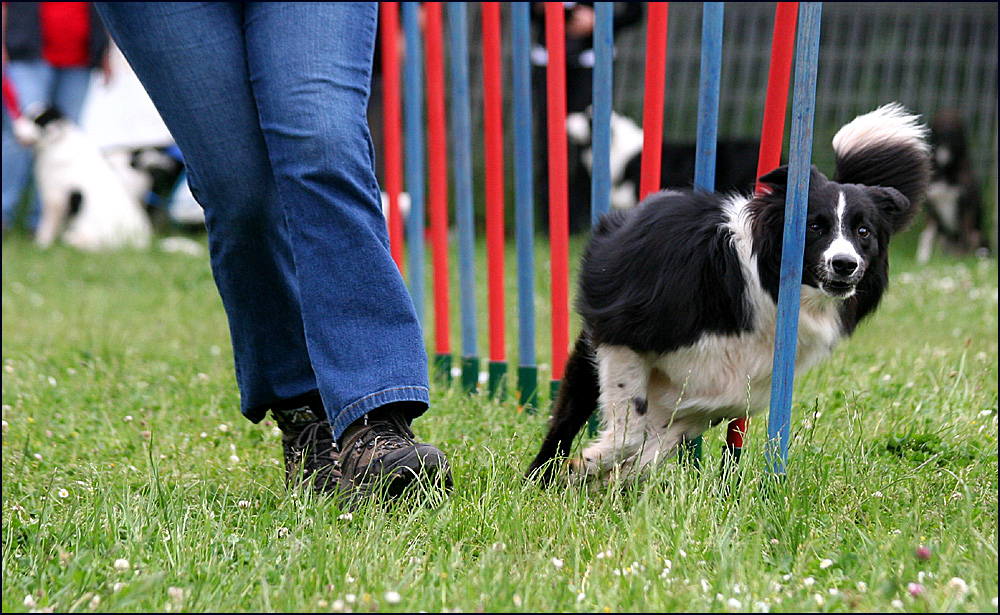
(678, 297)
(84, 201)
(954, 204)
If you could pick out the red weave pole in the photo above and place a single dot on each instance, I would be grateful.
(773, 129)
(779, 74)
(555, 74)
(493, 125)
(437, 159)
(652, 101)
(392, 125)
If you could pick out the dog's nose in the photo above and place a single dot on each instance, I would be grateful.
(844, 265)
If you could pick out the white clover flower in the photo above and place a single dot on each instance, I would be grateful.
(128, 418)
(95, 602)
(808, 581)
(761, 607)
(734, 603)
(959, 585)
(834, 591)
(392, 597)
(558, 563)
(29, 601)
(819, 599)
(122, 564)
(346, 517)
(223, 427)
(117, 587)
(38, 456)
(234, 459)
(338, 605)
(350, 598)
(176, 593)
(582, 596)
(517, 600)
(826, 563)
(896, 604)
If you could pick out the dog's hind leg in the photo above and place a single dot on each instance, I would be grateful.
(56, 205)
(576, 401)
(624, 380)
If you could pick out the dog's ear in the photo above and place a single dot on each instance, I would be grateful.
(777, 180)
(48, 115)
(894, 208)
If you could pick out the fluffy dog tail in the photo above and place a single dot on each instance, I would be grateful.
(577, 400)
(887, 147)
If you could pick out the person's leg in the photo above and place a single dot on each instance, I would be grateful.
(191, 59)
(310, 68)
(33, 83)
(69, 91)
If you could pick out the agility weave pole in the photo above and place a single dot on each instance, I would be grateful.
(555, 75)
(437, 187)
(524, 216)
(493, 140)
(458, 28)
(393, 128)
(793, 241)
(772, 138)
(414, 132)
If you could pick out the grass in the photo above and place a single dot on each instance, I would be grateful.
(131, 482)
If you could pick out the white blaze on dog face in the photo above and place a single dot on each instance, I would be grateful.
(842, 258)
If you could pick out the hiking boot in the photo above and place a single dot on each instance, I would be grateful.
(378, 453)
(310, 451)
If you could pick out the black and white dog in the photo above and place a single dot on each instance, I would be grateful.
(84, 201)
(954, 204)
(678, 297)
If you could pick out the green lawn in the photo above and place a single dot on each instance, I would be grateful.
(132, 483)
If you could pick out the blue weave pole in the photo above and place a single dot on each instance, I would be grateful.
(524, 205)
(461, 131)
(708, 96)
(414, 131)
(793, 242)
(600, 187)
(708, 129)
(600, 174)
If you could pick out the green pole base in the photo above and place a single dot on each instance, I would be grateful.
(527, 388)
(470, 374)
(442, 369)
(691, 453)
(497, 382)
(554, 391)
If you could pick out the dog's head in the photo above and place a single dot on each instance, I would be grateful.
(38, 121)
(848, 227)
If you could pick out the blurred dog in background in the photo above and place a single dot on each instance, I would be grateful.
(84, 202)
(954, 204)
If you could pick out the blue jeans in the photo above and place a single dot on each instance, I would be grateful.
(267, 102)
(36, 82)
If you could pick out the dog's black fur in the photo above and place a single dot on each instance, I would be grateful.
(678, 296)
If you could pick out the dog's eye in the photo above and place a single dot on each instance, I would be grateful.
(815, 227)
(863, 232)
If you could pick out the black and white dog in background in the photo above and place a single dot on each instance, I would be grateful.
(84, 202)
(678, 297)
(954, 204)
(735, 162)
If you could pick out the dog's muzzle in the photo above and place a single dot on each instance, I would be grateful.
(840, 275)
